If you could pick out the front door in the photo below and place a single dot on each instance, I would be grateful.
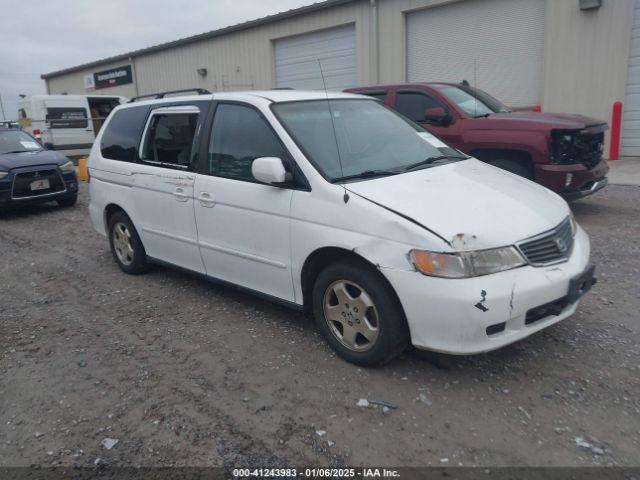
(243, 225)
(163, 187)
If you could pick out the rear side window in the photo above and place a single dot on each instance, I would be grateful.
(169, 139)
(239, 136)
(122, 135)
(65, 117)
(413, 105)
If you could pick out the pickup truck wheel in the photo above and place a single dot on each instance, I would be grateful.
(359, 314)
(513, 166)
(126, 247)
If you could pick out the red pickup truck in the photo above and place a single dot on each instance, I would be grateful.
(560, 151)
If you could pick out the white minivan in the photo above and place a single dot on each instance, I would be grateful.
(66, 123)
(336, 204)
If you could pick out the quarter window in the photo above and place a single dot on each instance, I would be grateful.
(169, 139)
(413, 105)
(239, 136)
(121, 138)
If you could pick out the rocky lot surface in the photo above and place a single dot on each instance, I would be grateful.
(97, 367)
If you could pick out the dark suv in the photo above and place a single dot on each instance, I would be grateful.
(560, 151)
(31, 174)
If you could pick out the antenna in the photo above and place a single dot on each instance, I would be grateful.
(333, 126)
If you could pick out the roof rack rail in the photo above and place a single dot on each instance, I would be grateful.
(283, 88)
(199, 91)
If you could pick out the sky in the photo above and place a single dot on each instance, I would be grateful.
(42, 36)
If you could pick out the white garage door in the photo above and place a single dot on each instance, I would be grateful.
(631, 116)
(297, 59)
(497, 45)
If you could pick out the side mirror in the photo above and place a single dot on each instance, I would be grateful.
(436, 115)
(269, 170)
(48, 146)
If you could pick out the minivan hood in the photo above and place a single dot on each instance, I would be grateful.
(541, 121)
(470, 204)
(31, 159)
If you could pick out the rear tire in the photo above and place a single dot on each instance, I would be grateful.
(67, 201)
(514, 166)
(126, 247)
(358, 313)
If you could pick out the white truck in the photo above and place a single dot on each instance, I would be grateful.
(66, 123)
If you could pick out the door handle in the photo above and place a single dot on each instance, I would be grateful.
(180, 195)
(206, 199)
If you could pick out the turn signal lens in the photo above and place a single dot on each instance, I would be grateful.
(438, 264)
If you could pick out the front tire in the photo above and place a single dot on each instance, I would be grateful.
(359, 314)
(126, 247)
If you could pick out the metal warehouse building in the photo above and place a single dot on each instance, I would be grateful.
(577, 56)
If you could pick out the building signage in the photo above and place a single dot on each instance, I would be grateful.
(113, 77)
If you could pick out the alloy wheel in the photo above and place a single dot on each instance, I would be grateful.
(122, 243)
(351, 315)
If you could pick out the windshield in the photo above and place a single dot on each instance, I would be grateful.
(15, 141)
(473, 101)
(369, 138)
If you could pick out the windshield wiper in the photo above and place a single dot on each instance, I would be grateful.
(17, 151)
(430, 160)
(366, 174)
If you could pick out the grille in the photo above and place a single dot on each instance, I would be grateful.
(553, 246)
(22, 183)
(584, 148)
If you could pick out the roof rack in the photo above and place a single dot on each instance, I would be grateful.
(199, 91)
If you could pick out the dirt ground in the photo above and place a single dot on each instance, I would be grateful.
(183, 372)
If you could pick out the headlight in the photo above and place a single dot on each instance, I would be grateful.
(68, 167)
(466, 264)
(3, 174)
(574, 224)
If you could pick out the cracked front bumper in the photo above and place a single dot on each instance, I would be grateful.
(445, 315)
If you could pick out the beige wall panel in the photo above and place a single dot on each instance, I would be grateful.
(586, 55)
(244, 60)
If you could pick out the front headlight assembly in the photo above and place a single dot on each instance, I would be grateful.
(466, 264)
(67, 167)
(3, 174)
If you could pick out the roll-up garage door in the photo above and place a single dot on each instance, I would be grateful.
(631, 117)
(496, 45)
(297, 59)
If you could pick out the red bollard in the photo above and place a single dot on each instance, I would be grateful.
(616, 125)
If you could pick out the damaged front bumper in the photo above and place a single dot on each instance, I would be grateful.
(480, 314)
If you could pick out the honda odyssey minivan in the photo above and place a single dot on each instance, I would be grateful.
(336, 204)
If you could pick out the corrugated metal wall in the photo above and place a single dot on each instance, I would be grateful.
(586, 55)
(584, 71)
(237, 61)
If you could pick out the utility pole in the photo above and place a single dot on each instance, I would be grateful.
(4, 117)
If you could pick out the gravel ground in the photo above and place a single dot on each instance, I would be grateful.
(183, 372)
